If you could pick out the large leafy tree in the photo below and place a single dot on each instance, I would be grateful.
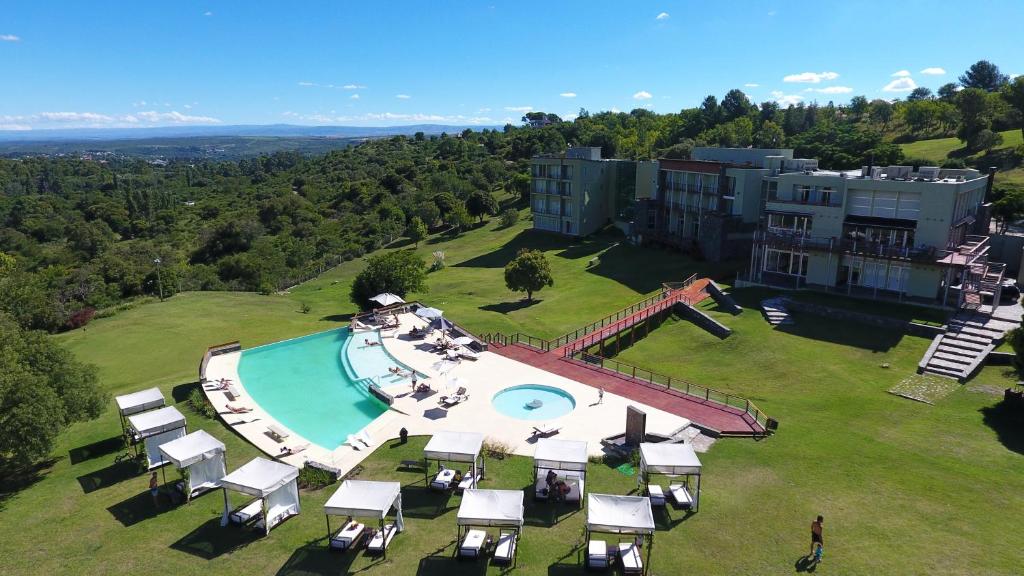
(735, 104)
(528, 272)
(416, 231)
(975, 115)
(399, 272)
(43, 390)
(984, 75)
(481, 203)
(1014, 94)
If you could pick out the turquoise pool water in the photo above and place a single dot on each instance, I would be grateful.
(363, 361)
(307, 385)
(513, 402)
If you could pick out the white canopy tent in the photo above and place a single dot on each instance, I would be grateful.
(567, 459)
(155, 428)
(141, 401)
(200, 457)
(614, 514)
(454, 447)
(364, 498)
(671, 460)
(492, 508)
(274, 488)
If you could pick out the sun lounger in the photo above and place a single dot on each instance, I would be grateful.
(681, 495)
(360, 326)
(656, 494)
(352, 441)
(231, 392)
(277, 433)
(348, 536)
(443, 480)
(364, 437)
(473, 544)
(468, 354)
(248, 513)
(544, 430)
(238, 409)
(290, 450)
(597, 554)
(505, 550)
(467, 481)
(381, 538)
(630, 556)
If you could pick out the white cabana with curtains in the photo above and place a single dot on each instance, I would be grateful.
(200, 457)
(366, 499)
(155, 428)
(623, 516)
(678, 460)
(454, 447)
(567, 459)
(136, 402)
(273, 488)
(502, 509)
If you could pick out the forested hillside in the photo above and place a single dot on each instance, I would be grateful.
(84, 235)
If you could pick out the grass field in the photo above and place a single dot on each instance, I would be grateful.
(905, 487)
(939, 149)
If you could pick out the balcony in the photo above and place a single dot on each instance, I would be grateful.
(774, 238)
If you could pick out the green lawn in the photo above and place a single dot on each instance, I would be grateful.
(939, 149)
(902, 485)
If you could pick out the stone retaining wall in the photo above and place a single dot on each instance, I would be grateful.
(912, 328)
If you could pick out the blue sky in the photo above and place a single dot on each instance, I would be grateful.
(82, 64)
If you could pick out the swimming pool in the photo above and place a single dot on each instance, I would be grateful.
(309, 385)
(372, 361)
(514, 402)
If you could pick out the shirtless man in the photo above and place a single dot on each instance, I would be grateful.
(817, 542)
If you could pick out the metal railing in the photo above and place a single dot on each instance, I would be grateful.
(642, 375)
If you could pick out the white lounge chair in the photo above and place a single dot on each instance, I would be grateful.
(348, 535)
(681, 494)
(381, 538)
(656, 494)
(364, 437)
(632, 563)
(352, 441)
(545, 430)
(290, 450)
(467, 481)
(505, 550)
(443, 480)
(277, 433)
(473, 544)
(468, 354)
(247, 513)
(597, 554)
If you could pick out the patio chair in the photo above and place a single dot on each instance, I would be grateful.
(381, 538)
(348, 536)
(629, 554)
(277, 433)
(597, 554)
(473, 544)
(656, 494)
(364, 437)
(467, 481)
(544, 431)
(238, 409)
(505, 549)
(468, 354)
(247, 513)
(681, 494)
(291, 450)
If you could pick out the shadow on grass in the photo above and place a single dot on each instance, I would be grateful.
(506, 307)
(140, 507)
(96, 449)
(424, 503)
(805, 564)
(15, 478)
(117, 472)
(211, 540)
(1007, 421)
(180, 392)
(337, 317)
(525, 239)
(848, 334)
(663, 519)
(315, 558)
(644, 269)
(448, 565)
(544, 513)
(586, 247)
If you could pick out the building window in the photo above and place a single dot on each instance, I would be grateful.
(785, 262)
(789, 224)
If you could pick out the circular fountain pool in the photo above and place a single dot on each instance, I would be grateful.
(534, 402)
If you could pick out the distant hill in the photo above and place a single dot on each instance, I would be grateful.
(938, 150)
(278, 130)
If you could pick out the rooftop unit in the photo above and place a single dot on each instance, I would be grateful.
(898, 172)
(928, 173)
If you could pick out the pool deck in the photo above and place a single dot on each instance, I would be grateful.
(421, 414)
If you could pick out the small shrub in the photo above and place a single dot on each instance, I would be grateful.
(305, 308)
(81, 317)
(311, 478)
(509, 217)
(496, 449)
(438, 263)
(954, 163)
(198, 402)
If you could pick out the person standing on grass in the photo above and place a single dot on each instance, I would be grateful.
(817, 541)
(154, 489)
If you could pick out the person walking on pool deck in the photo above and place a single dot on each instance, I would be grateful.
(600, 395)
(154, 489)
(817, 542)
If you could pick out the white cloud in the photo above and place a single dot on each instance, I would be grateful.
(188, 106)
(175, 117)
(482, 110)
(519, 108)
(615, 110)
(568, 94)
(354, 97)
(831, 90)
(810, 77)
(74, 117)
(207, 13)
(307, 83)
(642, 95)
(98, 120)
(751, 85)
(933, 71)
(772, 13)
(353, 87)
(9, 38)
(901, 74)
(18, 127)
(402, 96)
(393, 117)
(783, 99)
(138, 104)
(903, 84)
(662, 16)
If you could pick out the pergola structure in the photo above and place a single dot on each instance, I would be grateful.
(502, 509)
(623, 515)
(568, 460)
(136, 402)
(454, 447)
(274, 490)
(368, 499)
(201, 459)
(154, 428)
(672, 460)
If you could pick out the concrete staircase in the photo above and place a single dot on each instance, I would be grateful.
(724, 301)
(774, 310)
(701, 319)
(961, 350)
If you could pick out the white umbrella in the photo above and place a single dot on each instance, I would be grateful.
(428, 313)
(445, 366)
(463, 340)
(387, 299)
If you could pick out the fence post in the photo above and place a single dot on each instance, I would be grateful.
(634, 372)
(707, 393)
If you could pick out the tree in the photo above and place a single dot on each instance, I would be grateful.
(1008, 208)
(858, 106)
(770, 135)
(1014, 95)
(736, 104)
(919, 93)
(416, 231)
(528, 272)
(399, 272)
(481, 203)
(509, 216)
(459, 219)
(1016, 339)
(975, 115)
(948, 91)
(520, 185)
(43, 390)
(984, 75)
